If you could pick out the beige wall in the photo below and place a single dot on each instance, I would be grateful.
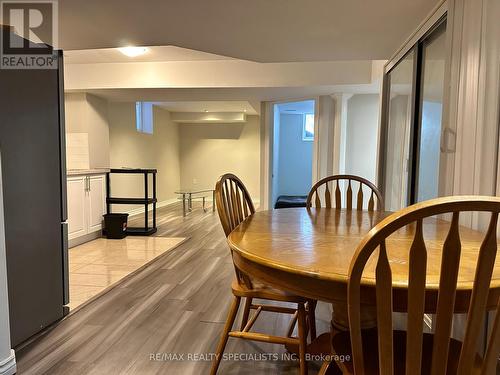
(129, 148)
(209, 150)
(187, 155)
(87, 113)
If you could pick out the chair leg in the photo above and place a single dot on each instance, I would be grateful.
(292, 324)
(302, 338)
(324, 368)
(223, 340)
(311, 305)
(246, 312)
(330, 368)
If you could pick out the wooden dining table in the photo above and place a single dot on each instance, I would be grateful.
(308, 252)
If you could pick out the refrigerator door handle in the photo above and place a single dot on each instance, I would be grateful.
(65, 259)
(62, 139)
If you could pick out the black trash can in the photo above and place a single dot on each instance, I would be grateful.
(115, 226)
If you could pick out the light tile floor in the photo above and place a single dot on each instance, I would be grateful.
(96, 265)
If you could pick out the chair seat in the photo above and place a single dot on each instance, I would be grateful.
(341, 344)
(263, 291)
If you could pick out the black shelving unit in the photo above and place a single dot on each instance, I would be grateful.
(146, 201)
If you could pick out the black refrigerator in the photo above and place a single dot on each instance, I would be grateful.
(32, 144)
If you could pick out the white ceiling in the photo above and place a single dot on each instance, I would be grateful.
(209, 106)
(258, 30)
(157, 53)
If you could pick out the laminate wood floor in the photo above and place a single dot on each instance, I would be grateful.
(159, 320)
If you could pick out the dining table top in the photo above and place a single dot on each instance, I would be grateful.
(319, 244)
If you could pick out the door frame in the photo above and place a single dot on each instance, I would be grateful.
(267, 140)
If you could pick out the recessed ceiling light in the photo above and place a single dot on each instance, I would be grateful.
(133, 51)
(206, 110)
(244, 110)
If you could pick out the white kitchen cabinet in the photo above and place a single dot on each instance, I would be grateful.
(86, 205)
(77, 222)
(96, 202)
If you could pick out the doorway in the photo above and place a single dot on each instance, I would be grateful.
(294, 126)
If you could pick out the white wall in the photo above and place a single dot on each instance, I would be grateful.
(361, 135)
(295, 157)
(129, 148)
(7, 356)
(87, 113)
(472, 108)
(209, 150)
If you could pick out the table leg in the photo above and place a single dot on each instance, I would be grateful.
(204, 209)
(322, 345)
(190, 202)
(213, 201)
(183, 204)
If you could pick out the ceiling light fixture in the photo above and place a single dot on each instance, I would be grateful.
(133, 51)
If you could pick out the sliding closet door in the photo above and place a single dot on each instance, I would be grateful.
(399, 114)
(414, 155)
(430, 115)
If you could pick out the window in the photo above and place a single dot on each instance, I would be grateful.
(308, 127)
(144, 117)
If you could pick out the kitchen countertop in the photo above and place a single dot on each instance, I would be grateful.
(80, 172)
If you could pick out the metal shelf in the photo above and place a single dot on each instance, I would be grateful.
(146, 201)
(131, 200)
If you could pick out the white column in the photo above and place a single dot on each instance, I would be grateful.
(7, 355)
(340, 126)
(266, 156)
(325, 108)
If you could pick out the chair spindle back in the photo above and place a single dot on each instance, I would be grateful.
(332, 184)
(376, 239)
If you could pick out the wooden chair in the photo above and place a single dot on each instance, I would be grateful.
(234, 205)
(335, 182)
(385, 351)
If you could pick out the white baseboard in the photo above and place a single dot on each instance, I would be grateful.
(255, 201)
(138, 211)
(83, 239)
(8, 365)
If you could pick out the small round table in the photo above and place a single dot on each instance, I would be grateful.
(308, 252)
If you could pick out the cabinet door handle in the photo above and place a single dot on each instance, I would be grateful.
(88, 181)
